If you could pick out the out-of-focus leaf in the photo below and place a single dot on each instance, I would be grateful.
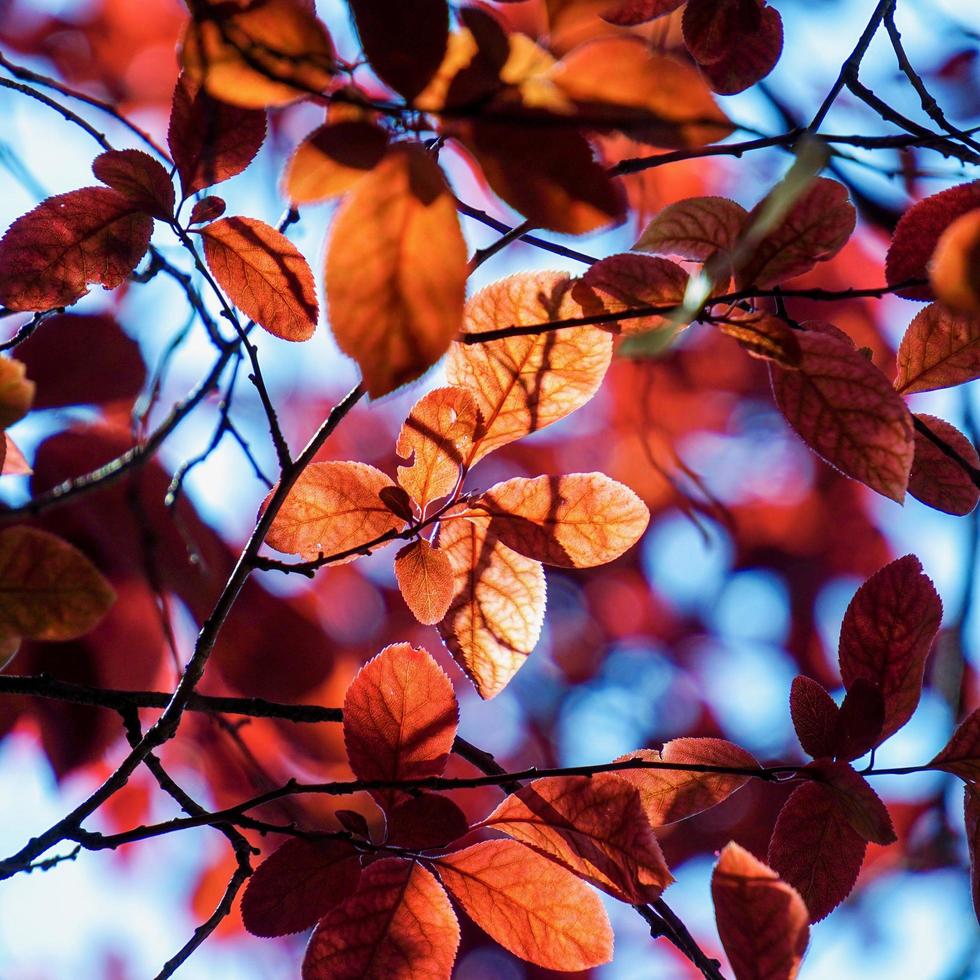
(954, 269)
(16, 391)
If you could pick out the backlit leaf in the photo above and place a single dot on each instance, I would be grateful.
(264, 275)
(815, 717)
(815, 849)
(400, 717)
(333, 507)
(762, 921)
(531, 906)
(437, 437)
(139, 178)
(16, 391)
(48, 589)
(523, 383)
(425, 578)
(426, 822)
(49, 256)
(497, 609)
(961, 754)
(332, 159)
(12, 460)
(861, 720)
(626, 13)
(936, 478)
(954, 269)
(859, 803)
(576, 521)
(843, 408)
(210, 140)
(595, 827)
(763, 336)
(669, 795)
(940, 349)
(298, 884)
(396, 270)
(398, 925)
(886, 635)
(694, 228)
(207, 209)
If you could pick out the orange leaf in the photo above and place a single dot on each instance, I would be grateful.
(762, 921)
(298, 884)
(954, 269)
(523, 383)
(626, 13)
(669, 795)
(333, 508)
(860, 805)
(50, 255)
(16, 392)
(12, 460)
(48, 589)
(425, 578)
(576, 521)
(941, 348)
(210, 140)
(263, 274)
(694, 228)
(886, 634)
(937, 479)
(815, 849)
(595, 827)
(961, 754)
(207, 209)
(332, 159)
(396, 269)
(619, 82)
(398, 925)
(271, 53)
(763, 336)
(400, 717)
(843, 408)
(814, 229)
(528, 904)
(497, 608)
(139, 178)
(426, 822)
(437, 437)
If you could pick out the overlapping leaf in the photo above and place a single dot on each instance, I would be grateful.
(139, 178)
(815, 717)
(856, 800)
(16, 391)
(954, 269)
(940, 349)
(961, 754)
(425, 822)
(763, 336)
(937, 479)
(425, 578)
(694, 228)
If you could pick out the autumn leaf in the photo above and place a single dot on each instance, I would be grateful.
(763, 336)
(961, 754)
(861, 720)
(264, 275)
(595, 827)
(298, 884)
(398, 925)
(576, 521)
(425, 578)
(694, 228)
(16, 391)
(815, 849)
(333, 508)
(815, 717)
(843, 408)
(437, 437)
(396, 270)
(139, 178)
(523, 383)
(886, 634)
(332, 159)
(954, 269)
(857, 801)
(207, 209)
(50, 255)
(627, 13)
(669, 795)
(940, 349)
(48, 589)
(426, 822)
(918, 232)
(762, 921)
(971, 813)
(400, 718)
(531, 906)
(497, 609)
(937, 479)
(270, 53)
(210, 140)
(12, 460)
(815, 229)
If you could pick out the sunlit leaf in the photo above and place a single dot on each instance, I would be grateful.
(12, 460)
(694, 228)
(937, 479)
(940, 349)
(425, 578)
(954, 269)
(207, 209)
(139, 178)
(16, 391)
(763, 336)
(626, 13)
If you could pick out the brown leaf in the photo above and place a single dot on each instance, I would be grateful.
(763, 336)
(139, 178)
(937, 479)
(207, 209)
(940, 349)
(425, 578)
(694, 228)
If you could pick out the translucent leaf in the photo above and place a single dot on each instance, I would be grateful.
(694, 228)
(954, 269)
(858, 802)
(940, 349)
(425, 578)
(139, 178)
(938, 480)
(815, 717)
(16, 391)
(961, 754)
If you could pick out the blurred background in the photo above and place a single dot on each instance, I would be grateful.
(753, 553)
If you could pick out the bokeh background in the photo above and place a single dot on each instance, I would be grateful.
(741, 582)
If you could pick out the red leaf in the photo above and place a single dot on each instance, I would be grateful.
(961, 754)
(861, 719)
(815, 849)
(626, 13)
(765, 337)
(971, 812)
(398, 925)
(694, 228)
(858, 802)
(400, 717)
(383, 29)
(594, 826)
(207, 209)
(210, 140)
(425, 578)
(762, 921)
(426, 822)
(297, 884)
(50, 255)
(264, 275)
(940, 349)
(139, 178)
(843, 408)
(531, 906)
(918, 231)
(815, 717)
(886, 635)
(938, 480)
